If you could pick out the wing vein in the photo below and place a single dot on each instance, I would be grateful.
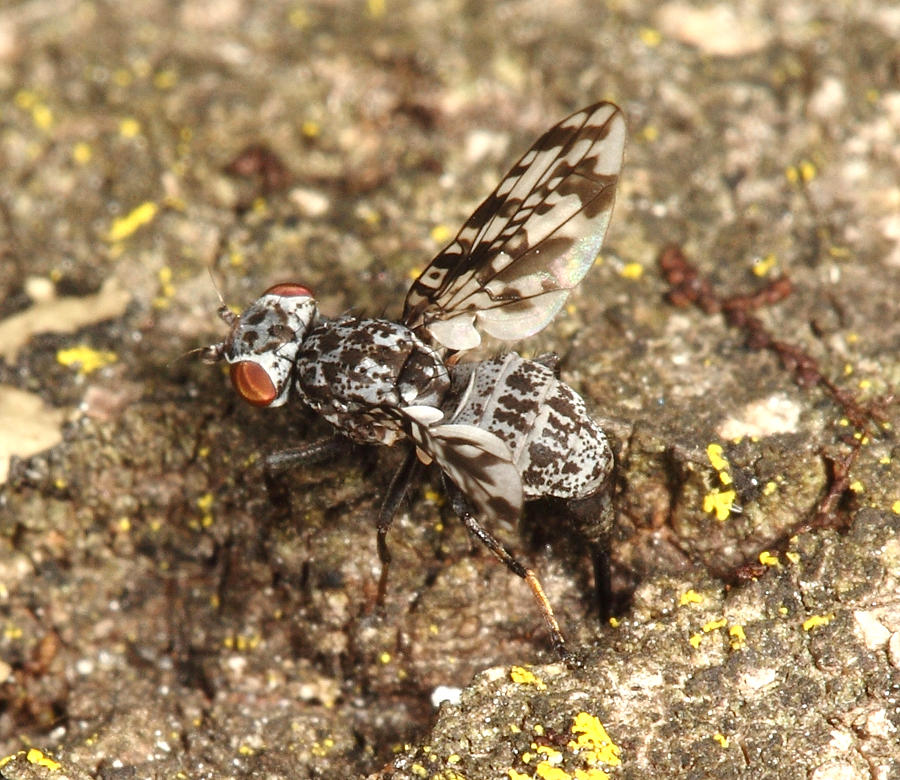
(532, 240)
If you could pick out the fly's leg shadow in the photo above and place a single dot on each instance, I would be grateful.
(594, 518)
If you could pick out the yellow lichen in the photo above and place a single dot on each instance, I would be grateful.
(650, 36)
(765, 264)
(690, 597)
(738, 637)
(124, 226)
(440, 234)
(719, 503)
(523, 676)
(547, 771)
(817, 620)
(129, 127)
(82, 153)
(768, 559)
(86, 359)
(592, 742)
(36, 757)
(716, 458)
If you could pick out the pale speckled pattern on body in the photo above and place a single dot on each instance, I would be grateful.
(358, 374)
(504, 430)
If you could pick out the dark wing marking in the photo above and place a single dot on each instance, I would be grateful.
(509, 270)
(477, 461)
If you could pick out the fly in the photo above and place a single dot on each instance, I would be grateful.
(503, 431)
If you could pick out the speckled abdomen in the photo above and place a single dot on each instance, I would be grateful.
(556, 446)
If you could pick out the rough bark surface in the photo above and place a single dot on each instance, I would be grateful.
(167, 613)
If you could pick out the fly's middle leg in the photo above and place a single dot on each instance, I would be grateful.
(396, 492)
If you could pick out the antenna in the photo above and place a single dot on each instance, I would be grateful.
(225, 314)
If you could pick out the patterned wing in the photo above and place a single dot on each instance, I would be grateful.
(477, 461)
(511, 267)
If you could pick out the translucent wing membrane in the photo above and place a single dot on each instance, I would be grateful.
(509, 270)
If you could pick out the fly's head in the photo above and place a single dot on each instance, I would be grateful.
(262, 343)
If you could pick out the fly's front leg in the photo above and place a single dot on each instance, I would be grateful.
(396, 492)
(278, 462)
(461, 508)
(318, 451)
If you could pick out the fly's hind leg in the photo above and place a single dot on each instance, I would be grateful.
(462, 510)
(396, 492)
(594, 517)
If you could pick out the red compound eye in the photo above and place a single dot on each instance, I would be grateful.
(252, 383)
(289, 290)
